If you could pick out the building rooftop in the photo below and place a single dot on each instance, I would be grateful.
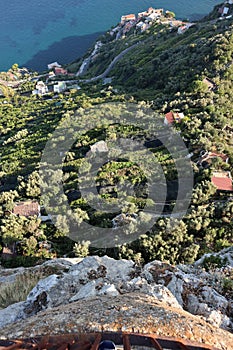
(172, 117)
(222, 180)
(28, 208)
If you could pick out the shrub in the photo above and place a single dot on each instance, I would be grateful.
(17, 291)
(81, 249)
(18, 261)
(212, 262)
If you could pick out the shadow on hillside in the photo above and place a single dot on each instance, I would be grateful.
(64, 51)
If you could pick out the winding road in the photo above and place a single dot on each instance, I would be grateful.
(111, 65)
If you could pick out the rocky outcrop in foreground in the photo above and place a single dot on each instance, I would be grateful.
(131, 312)
(98, 293)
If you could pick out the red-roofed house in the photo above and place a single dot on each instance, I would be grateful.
(172, 117)
(169, 119)
(60, 71)
(223, 10)
(126, 18)
(127, 27)
(186, 26)
(222, 180)
(12, 76)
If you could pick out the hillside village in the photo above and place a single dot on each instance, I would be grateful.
(145, 19)
(62, 90)
(175, 279)
(128, 23)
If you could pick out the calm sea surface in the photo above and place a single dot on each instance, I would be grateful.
(36, 32)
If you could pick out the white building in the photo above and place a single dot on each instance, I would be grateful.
(153, 16)
(41, 88)
(59, 87)
(225, 11)
(186, 26)
(53, 65)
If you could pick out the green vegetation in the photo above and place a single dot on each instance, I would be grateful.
(165, 72)
(212, 262)
(17, 291)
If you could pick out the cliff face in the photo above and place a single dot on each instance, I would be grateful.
(102, 293)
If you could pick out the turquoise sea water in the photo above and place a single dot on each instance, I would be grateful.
(36, 32)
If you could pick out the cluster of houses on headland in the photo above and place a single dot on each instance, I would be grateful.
(142, 21)
(42, 88)
(56, 80)
(55, 71)
(145, 19)
(225, 8)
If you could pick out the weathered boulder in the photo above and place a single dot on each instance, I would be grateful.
(89, 277)
(94, 267)
(39, 298)
(132, 312)
(158, 291)
(190, 286)
(226, 255)
(79, 280)
(185, 286)
(86, 291)
(211, 305)
(11, 314)
(94, 288)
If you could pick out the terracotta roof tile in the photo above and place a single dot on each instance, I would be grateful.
(222, 183)
(170, 118)
(174, 116)
(29, 208)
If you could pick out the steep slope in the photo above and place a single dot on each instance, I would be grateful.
(167, 63)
